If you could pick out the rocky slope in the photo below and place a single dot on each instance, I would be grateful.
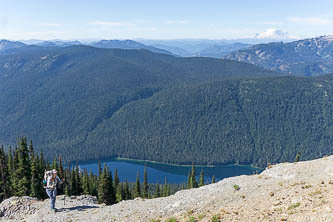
(305, 57)
(300, 191)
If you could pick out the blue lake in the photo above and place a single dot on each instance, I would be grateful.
(157, 172)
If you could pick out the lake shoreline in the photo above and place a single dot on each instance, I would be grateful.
(188, 165)
(129, 169)
(172, 164)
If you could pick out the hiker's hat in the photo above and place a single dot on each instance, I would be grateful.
(54, 171)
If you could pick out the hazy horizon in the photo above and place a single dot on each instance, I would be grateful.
(159, 20)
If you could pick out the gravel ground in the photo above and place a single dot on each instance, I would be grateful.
(300, 191)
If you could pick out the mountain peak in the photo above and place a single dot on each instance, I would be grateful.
(272, 34)
(6, 44)
(126, 44)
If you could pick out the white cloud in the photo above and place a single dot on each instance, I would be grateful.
(274, 34)
(50, 25)
(3, 22)
(177, 22)
(111, 24)
(311, 20)
(272, 23)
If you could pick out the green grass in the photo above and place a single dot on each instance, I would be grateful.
(192, 219)
(307, 186)
(171, 219)
(294, 206)
(236, 187)
(215, 218)
(201, 216)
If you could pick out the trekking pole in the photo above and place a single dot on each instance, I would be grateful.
(64, 191)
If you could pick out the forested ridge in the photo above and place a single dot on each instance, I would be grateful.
(248, 121)
(62, 97)
(88, 104)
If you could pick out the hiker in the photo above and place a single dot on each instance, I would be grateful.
(51, 179)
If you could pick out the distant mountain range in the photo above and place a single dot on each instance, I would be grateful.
(108, 44)
(58, 43)
(126, 44)
(194, 48)
(173, 49)
(307, 57)
(207, 49)
(5, 45)
(191, 46)
(218, 51)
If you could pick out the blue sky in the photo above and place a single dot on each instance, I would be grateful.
(157, 19)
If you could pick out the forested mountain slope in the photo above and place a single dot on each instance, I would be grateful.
(232, 121)
(61, 97)
(309, 57)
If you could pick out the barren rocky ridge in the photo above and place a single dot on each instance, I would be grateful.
(300, 191)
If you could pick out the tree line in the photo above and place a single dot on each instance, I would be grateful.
(22, 172)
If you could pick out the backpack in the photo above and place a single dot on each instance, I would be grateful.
(46, 175)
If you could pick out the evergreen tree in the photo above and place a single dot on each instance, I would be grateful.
(10, 161)
(11, 171)
(35, 179)
(201, 179)
(298, 156)
(213, 179)
(92, 184)
(14, 177)
(55, 164)
(61, 169)
(61, 188)
(31, 150)
(67, 181)
(73, 190)
(116, 179)
(23, 175)
(166, 188)
(120, 193)
(42, 165)
(4, 176)
(41, 171)
(191, 182)
(194, 183)
(85, 183)
(127, 191)
(99, 168)
(104, 187)
(78, 187)
(112, 191)
(157, 192)
(145, 184)
(137, 188)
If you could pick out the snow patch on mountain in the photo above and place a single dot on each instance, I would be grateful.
(273, 34)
